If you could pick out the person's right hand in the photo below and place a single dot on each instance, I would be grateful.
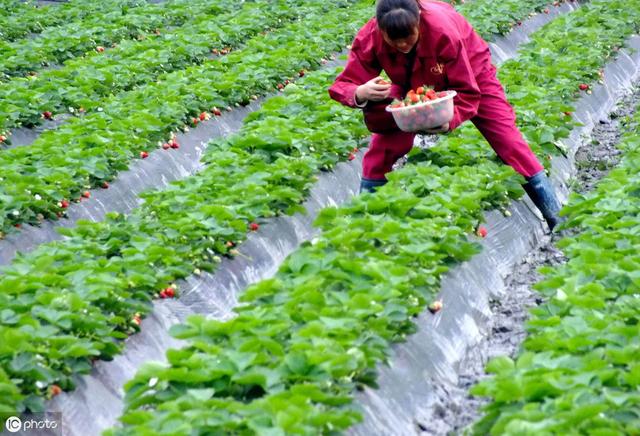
(373, 90)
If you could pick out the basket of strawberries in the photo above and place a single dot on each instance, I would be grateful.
(422, 109)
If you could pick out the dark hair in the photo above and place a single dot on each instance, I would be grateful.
(397, 18)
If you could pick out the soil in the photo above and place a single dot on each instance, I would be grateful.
(456, 409)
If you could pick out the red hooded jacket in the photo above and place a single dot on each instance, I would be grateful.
(449, 56)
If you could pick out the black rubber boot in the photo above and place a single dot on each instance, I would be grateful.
(371, 184)
(539, 189)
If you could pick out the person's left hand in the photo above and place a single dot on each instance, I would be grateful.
(442, 129)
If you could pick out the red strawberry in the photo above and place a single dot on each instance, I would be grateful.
(99, 49)
(195, 121)
(64, 204)
(215, 51)
(352, 156)
(301, 73)
(482, 231)
(254, 227)
(144, 155)
(280, 86)
(86, 194)
(420, 90)
(567, 113)
(17, 226)
(216, 111)
(55, 390)
(203, 116)
(442, 94)
(583, 87)
(47, 115)
(166, 146)
(105, 185)
(174, 144)
(163, 294)
(414, 98)
(546, 10)
(169, 292)
(3, 138)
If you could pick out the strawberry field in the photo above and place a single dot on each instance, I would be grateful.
(184, 252)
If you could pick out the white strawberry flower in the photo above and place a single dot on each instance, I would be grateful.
(37, 197)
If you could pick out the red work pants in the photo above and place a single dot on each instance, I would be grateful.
(496, 120)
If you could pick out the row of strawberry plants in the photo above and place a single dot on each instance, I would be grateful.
(579, 368)
(117, 265)
(303, 341)
(123, 20)
(39, 180)
(82, 83)
(57, 317)
(29, 18)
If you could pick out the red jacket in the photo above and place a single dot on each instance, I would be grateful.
(449, 56)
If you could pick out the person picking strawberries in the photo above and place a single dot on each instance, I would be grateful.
(418, 42)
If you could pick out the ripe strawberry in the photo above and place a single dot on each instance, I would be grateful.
(420, 90)
(99, 49)
(352, 156)
(215, 51)
(47, 115)
(174, 144)
(55, 390)
(166, 146)
(301, 73)
(414, 98)
(254, 227)
(169, 293)
(64, 204)
(583, 87)
(3, 138)
(280, 86)
(216, 111)
(546, 10)
(482, 231)
(105, 185)
(203, 116)
(17, 226)
(195, 121)
(436, 306)
(567, 113)
(144, 155)
(86, 194)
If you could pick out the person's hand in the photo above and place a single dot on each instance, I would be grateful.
(442, 129)
(375, 89)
